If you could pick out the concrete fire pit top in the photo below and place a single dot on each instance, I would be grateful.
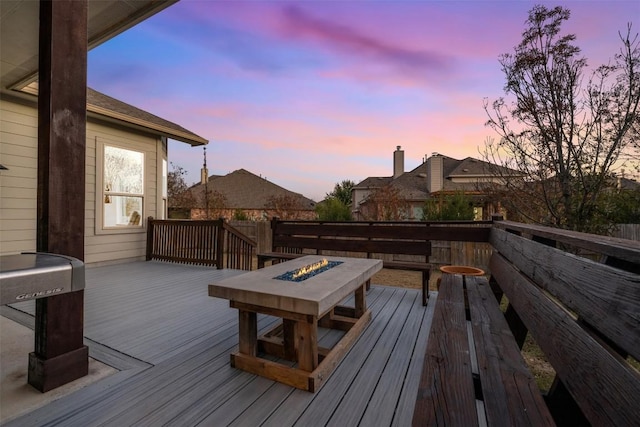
(315, 295)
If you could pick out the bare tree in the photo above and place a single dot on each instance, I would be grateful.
(213, 202)
(565, 138)
(284, 206)
(385, 204)
(177, 194)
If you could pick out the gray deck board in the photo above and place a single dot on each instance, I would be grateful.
(323, 411)
(155, 322)
(406, 401)
(398, 377)
(350, 410)
(288, 413)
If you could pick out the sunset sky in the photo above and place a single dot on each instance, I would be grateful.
(309, 93)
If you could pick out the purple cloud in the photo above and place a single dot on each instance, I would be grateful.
(342, 38)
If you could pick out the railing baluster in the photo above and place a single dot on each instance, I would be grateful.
(204, 242)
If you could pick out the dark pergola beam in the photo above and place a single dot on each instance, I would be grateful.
(60, 355)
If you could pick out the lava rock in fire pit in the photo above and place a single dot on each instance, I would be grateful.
(292, 276)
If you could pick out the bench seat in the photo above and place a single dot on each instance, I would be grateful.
(276, 256)
(473, 372)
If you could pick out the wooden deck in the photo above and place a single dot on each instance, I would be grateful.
(171, 344)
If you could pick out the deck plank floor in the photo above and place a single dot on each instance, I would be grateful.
(171, 342)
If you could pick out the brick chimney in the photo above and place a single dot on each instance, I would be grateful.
(434, 173)
(398, 162)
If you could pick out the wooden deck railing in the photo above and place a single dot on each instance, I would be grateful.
(239, 249)
(199, 242)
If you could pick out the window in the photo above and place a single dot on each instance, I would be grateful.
(164, 189)
(417, 213)
(477, 213)
(123, 187)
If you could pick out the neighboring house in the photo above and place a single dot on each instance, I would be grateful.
(627, 184)
(242, 192)
(126, 172)
(438, 175)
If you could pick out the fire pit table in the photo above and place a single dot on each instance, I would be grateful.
(305, 293)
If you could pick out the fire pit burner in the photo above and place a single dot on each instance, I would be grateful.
(308, 271)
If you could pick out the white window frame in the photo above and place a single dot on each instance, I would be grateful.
(101, 192)
(163, 197)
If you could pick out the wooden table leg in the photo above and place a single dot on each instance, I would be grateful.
(360, 301)
(308, 345)
(289, 338)
(248, 332)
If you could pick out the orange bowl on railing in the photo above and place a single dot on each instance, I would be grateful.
(461, 269)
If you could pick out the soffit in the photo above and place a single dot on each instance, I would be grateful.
(19, 32)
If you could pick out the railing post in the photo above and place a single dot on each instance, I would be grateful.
(426, 275)
(150, 225)
(220, 244)
(274, 221)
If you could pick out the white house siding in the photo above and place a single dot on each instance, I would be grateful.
(107, 246)
(18, 152)
(359, 196)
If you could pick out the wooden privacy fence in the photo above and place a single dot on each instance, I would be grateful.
(199, 242)
(443, 252)
(627, 231)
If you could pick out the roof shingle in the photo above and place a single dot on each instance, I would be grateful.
(412, 185)
(245, 190)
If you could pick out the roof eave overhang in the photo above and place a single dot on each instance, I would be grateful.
(193, 140)
(131, 122)
(454, 192)
(471, 176)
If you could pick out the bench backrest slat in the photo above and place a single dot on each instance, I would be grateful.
(606, 298)
(404, 238)
(604, 386)
(404, 231)
(624, 249)
(368, 246)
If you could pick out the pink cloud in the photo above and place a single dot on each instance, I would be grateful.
(318, 92)
(346, 39)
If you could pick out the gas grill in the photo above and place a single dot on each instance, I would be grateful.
(29, 276)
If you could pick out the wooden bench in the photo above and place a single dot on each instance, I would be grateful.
(293, 239)
(582, 311)
(473, 371)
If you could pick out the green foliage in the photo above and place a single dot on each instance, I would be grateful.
(179, 213)
(333, 209)
(623, 207)
(454, 207)
(431, 210)
(240, 215)
(342, 192)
